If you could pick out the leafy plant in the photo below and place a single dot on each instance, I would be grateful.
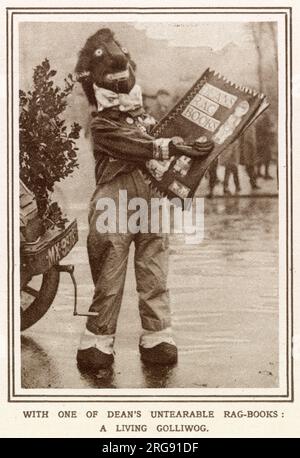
(48, 151)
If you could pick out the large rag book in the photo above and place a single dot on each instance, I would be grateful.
(214, 109)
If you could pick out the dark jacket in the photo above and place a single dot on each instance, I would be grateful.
(120, 142)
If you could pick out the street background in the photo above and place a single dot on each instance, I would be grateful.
(224, 291)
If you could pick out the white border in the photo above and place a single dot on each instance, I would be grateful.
(108, 394)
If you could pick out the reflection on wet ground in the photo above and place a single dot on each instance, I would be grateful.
(225, 311)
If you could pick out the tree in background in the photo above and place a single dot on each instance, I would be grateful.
(48, 151)
(264, 35)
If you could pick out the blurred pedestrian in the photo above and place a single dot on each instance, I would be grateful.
(230, 158)
(248, 153)
(162, 104)
(265, 144)
(213, 179)
(149, 101)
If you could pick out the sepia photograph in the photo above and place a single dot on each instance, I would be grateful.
(150, 183)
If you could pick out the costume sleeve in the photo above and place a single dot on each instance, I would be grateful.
(127, 143)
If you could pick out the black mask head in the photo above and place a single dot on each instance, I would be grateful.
(104, 62)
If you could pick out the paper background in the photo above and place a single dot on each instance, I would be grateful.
(12, 422)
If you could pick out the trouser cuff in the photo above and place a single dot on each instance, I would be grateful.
(150, 339)
(104, 343)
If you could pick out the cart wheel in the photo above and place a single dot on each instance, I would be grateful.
(37, 296)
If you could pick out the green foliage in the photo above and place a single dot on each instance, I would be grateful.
(48, 151)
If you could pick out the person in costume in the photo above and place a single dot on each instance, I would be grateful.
(121, 142)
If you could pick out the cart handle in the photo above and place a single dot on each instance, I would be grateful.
(69, 268)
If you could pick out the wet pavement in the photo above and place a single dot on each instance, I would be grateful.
(225, 310)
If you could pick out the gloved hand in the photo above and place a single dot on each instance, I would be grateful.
(201, 147)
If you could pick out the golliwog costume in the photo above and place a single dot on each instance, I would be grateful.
(121, 141)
